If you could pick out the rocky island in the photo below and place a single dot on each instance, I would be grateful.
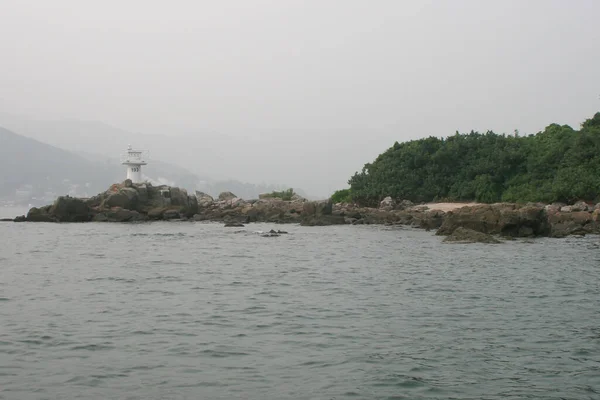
(129, 202)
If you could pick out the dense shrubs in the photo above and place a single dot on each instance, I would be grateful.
(557, 164)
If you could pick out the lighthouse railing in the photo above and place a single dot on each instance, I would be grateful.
(135, 156)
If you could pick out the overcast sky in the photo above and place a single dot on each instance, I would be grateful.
(316, 87)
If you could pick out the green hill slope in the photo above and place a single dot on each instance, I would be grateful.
(557, 164)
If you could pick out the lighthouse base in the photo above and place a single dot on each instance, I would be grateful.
(134, 172)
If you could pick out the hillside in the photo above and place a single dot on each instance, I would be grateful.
(32, 171)
(557, 164)
(31, 166)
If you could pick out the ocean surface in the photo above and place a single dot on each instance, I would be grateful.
(182, 310)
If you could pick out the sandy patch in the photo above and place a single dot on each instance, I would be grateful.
(448, 206)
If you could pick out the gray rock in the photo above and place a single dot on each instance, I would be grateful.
(566, 209)
(580, 206)
(387, 204)
(118, 215)
(41, 214)
(199, 217)
(465, 235)
(70, 209)
(179, 197)
(223, 196)
(317, 208)
(171, 214)
(234, 225)
(553, 208)
(204, 200)
(142, 190)
(193, 206)
(126, 197)
(298, 198)
(404, 204)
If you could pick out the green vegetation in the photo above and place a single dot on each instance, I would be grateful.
(557, 164)
(283, 195)
(342, 196)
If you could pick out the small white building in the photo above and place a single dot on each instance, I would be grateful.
(134, 159)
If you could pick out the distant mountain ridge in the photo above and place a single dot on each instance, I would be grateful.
(32, 171)
(213, 158)
(29, 166)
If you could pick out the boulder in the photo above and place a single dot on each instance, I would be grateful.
(70, 209)
(236, 202)
(271, 210)
(404, 204)
(233, 224)
(142, 190)
(298, 198)
(320, 213)
(466, 235)
(426, 220)
(41, 214)
(179, 197)
(118, 214)
(317, 208)
(156, 213)
(171, 214)
(223, 196)
(204, 200)
(387, 204)
(573, 223)
(580, 206)
(597, 207)
(504, 219)
(126, 197)
(553, 208)
(192, 208)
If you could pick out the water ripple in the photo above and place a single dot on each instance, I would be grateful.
(195, 310)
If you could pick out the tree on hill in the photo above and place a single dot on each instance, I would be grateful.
(557, 164)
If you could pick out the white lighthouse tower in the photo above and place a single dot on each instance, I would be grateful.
(134, 159)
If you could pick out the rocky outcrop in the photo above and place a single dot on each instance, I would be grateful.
(129, 202)
(118, 214)
(125, 202)
(466, 235)
(574, 223)
(529, 220)
(320, 213)
(502, 219)
(64, 209)
(204, 200)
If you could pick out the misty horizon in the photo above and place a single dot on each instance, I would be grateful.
(296, 93)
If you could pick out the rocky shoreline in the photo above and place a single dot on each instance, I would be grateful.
(128, 202)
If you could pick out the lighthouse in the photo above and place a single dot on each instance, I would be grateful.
(134, 159)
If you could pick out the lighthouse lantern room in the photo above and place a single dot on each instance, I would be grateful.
(134, 159)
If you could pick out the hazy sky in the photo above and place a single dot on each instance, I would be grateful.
(316, 87)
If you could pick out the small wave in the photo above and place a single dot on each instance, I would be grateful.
(139, 332)
(178, 234)
(222, 354)
(111, 278)
(92, 347)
